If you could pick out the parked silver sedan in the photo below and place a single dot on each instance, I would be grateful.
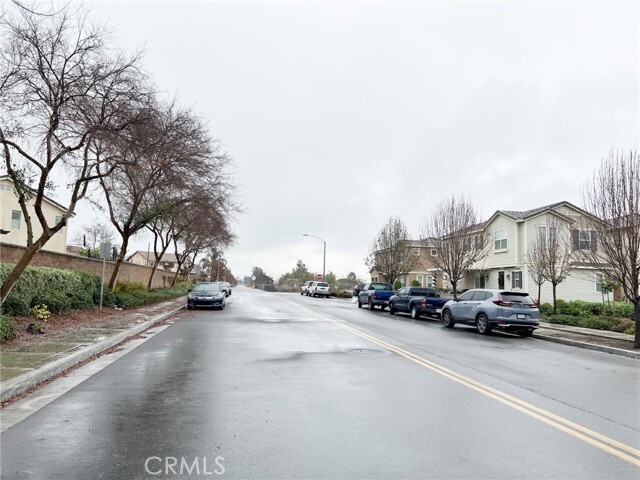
(489, 310)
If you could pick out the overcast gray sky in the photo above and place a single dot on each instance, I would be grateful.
(340, 114)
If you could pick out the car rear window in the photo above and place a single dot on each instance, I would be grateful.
(419, 292)
(323, 284)
(517, 297)
(381, 286)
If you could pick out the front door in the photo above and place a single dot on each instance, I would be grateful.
(501, 280)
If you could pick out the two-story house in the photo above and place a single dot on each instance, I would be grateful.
(424, 270)
(514, 233)
(168, 262)
(13, 224)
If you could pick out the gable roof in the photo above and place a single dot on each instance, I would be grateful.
(520, 216)
(150, 256)
(44, 197)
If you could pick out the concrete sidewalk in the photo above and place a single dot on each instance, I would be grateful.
(23, 367)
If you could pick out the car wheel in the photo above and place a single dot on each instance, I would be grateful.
(447, 319)
(415, 314)
(482, 324)
(370, 304)
(526, 332)
(359, 304)
(392, 310)
(301, 293)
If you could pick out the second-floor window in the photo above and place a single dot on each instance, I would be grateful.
(584, 240)
(416, 252)
(501, 239)
(434, 252)
(16, 219)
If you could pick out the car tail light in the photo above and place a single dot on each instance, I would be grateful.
(502, 303)
(424, 302)
(533, 305)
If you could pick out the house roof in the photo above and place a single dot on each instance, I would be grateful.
(44, 197)
(527, 214)
(150, 256)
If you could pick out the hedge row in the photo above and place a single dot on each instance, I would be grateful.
(64, 290)
(60, 290)
(589, 309)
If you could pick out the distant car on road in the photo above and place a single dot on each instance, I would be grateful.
(489, 310)
(320, 289)
(305, 288)
(226, 288)
(206, 294)
(357, 289)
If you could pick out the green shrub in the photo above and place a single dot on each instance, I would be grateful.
(7, 331)
(416, 283)
(397, 285)
(631, 330)
(124, 300)
(129, 287)
(16, 305)
(55, 302)
(546, 309)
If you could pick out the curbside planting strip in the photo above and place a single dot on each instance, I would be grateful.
(21, 384)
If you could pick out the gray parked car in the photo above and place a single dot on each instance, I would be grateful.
(491, 310)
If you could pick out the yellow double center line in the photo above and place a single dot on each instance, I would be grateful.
(620, 450)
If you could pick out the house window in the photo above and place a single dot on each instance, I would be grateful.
(584, 240)
(599, 282)
(16, 219)
(547, 234)
(420, 279)
(501, 239)
(431, 281)
(434, 252)
(516, 279)
(416, 252)
(58, 220)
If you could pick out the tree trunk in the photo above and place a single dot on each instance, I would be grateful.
(555, 303)
(539, 294)
(120, 259)
(20, 267)
(455, 289)
(636, 319)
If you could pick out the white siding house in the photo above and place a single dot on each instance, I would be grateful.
(512, 233)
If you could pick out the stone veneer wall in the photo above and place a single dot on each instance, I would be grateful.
(128, 271)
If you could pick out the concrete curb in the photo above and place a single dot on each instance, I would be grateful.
(589, 346)
(18, 385)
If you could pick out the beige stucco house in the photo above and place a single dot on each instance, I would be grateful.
(425, 272)
(168, 262)
(12, 219)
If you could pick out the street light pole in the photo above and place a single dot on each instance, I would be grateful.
(324, 252)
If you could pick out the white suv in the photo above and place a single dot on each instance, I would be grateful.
(304, 289)
(319, 288)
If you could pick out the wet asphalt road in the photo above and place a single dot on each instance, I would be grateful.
(283, 386)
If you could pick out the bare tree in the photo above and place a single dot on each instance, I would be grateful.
(612, 198)
(93, 235)
(455, 229)
(555, 256)
(61, 87)
(390, 253)
(171, 152)
(534, 261)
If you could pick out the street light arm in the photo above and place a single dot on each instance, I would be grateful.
(324, 252)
